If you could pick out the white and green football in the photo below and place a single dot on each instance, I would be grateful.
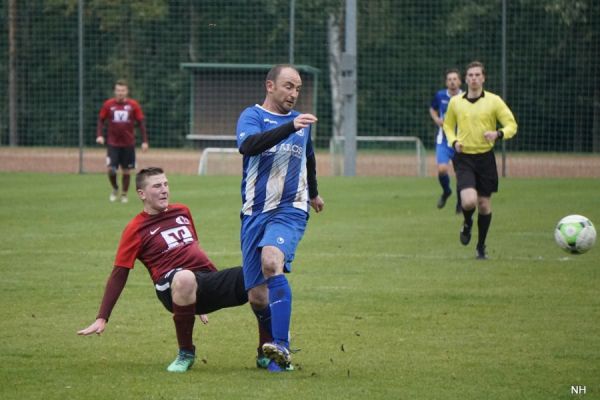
(575, 234)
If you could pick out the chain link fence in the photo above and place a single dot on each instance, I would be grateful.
(549, 75)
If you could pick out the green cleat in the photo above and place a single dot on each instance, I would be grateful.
(183, 362)
(262, 361)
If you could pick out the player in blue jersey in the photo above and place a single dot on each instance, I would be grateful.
(279, 185)
(443, 152)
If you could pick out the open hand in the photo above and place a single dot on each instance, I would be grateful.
(97, 327)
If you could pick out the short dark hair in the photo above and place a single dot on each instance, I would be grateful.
(140, 178)
(121, 82)
(451, 71)
(274, 72)
(475, 64)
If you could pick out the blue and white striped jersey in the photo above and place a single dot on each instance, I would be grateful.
(440, 104)
(275, 178)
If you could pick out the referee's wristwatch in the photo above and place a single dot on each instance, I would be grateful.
(500, 135)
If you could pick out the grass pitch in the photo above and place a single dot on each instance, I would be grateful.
(387, 303)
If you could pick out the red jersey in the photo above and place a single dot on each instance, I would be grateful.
(162, 242)
(121, 118)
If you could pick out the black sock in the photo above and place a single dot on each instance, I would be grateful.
(483, 224)
(112, 177)
(125, 180)
(468, 216)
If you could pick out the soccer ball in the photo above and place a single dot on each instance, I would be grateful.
(575, 234)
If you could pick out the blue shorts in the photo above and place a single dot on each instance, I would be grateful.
(443, 153)
(282, 228)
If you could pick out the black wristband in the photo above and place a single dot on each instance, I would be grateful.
(500, 135)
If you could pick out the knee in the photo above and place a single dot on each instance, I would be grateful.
(468, 204)
(258, 297)
(443, 169)
(271, 261)
(468, 199)
(184, 283)
(484, 205)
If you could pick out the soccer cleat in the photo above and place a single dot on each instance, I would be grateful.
(183, 362)
(442, 200)
(124, 199)
(274, 367)
(262, 361)
(278, 353)
(113, 195)
(465, 234)
(481, 254)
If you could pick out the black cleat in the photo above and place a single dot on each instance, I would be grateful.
(481, 254)
(442, 200)
(465, 234)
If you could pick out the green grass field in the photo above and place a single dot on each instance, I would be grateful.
(387, 303)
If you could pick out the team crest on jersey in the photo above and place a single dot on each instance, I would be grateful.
(300, 132)
(121, 116)
(182, 220)
(127, 107)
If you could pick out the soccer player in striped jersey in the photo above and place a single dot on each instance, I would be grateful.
(279, 185)
(443, 152)
(164, 238)
(471, 127)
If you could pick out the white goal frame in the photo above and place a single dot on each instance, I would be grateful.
(421, 157)
(203, 164)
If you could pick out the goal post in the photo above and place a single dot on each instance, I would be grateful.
(224, 159)
(382, 156)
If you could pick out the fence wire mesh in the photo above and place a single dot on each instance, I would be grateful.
(552, 80)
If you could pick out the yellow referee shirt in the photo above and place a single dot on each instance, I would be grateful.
(467, 121)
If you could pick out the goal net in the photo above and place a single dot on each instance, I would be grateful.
(381, 156)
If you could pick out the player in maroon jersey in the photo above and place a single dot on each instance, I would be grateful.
(163, 237)
(121, 113)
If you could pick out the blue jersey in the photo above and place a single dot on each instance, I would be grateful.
(275, 178)
(440, 104)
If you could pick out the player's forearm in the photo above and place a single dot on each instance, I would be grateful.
(311, 176)
(114, 287)
(449, 131)
(142, 125)
(100, 128)
(509, 124)
(434, 116)
(263, 141)
(449, 125)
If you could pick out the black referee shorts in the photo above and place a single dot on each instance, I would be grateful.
(123, 156)
(216, 290)
(477, 171)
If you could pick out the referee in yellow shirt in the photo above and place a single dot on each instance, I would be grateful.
(473, 124)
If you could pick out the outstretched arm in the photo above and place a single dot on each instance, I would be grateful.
(114, 287)
(259, 142)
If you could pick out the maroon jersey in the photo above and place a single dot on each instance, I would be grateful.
(162, 242)
(121, 117)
